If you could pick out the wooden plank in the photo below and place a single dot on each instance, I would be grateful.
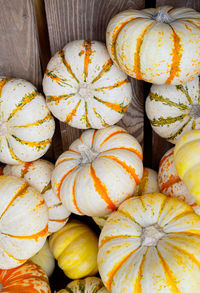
(19, 54)
(195, 4)
(69, 20)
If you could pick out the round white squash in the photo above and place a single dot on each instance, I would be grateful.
(26, 125)
(99, 171)
(158, 45)
(151, 244)
(84, 88)
(174, 110)
(38, 174)
(23, 221)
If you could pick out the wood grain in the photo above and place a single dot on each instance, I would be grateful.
(69, 20)
(19, 54)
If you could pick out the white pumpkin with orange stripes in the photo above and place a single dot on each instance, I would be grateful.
(159, 45)
(38, 174)
(151, 244)
(174, 110)
(23, 221)
(84, 88)
(171, 184)
(99, 171)
(26, 125)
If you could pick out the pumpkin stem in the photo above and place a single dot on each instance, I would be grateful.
(195, 111)
(162, 16)
(88, 155)
(151, 235)
(3, 128)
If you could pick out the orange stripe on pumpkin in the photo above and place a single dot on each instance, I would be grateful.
(111, 135)
(68, 67)
(11, 256)
(113, 106)
(108, 238)
(74, 197)
(71, 150)
(26, 168)
(101, 189)
(2, 83)
(38, 122)
(58, 220)
(171, 181)
(57, 99)
(88, 52)
(56, 78)
(165, 157)
(72, 113)
(95, 131)
(61, 181)
(36, 236)
(38, 144)
(176, 57)
(137, 288)
(127, 149)
(116, 85)
(63, 160)
(105, 68)
(12, 153)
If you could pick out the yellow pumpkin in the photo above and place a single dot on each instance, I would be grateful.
(75, 247)
(187, 161)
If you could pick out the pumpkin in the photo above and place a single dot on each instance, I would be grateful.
(99, 171)
(27, 278)
(171, 184)
(38, 174)
(26, 125)
(151, 244)
(148, 184)
(187, 161)
(158, 45)
(84, 88)
(174, 110)
(87, 285)
(75, 248)
(23, 221)
(45, 259)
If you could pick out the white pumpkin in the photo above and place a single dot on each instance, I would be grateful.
(158, 45)
(174, 110)
(23, 221)
(38, 174)
(84, 88)
(26, 125)
(171, 184)
(99, 171)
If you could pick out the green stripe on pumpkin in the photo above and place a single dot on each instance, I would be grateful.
(166, 101)
(39, 144)
(86, 116)
(68, 67)
(120, 108)
(103, 122)
(166, 121)
(59, 80)
(12, 153)
(184, 90)
(57, 99)
(68, 290)
(179, 131)
(105, 68)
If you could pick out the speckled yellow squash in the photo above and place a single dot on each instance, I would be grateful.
(174, 110)
(148, 184)
(187, 161)
(84, 88)
(23, 221)
(151, 244)
(28, 278)
(171, 184)
(26, 125)
(99, 171)
(133, 35)
(87, 285)
(38, 174)
(75, 247)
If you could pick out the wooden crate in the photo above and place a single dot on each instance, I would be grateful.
(33, 30)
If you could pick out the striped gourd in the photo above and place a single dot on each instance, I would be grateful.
(24, 279)
(174, 110)
(158, 45)
(148, 184)
(38, 174)
(99, 171)
(171, 184)
(84, 88)
(87, 285)
(23, 221)
(151, 244)
(26, 125)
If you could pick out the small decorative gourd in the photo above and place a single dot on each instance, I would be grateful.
(75, 247)
(26, 125)
(158, 45)
(84, 88)
(99, 171)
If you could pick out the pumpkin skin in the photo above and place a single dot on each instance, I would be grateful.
(26, 125)
(84, 88)
(151, 244)
(99, 171)
(45, 259)
(27, 278)
(75, 247)
(133, 35)
(87, 285)
(174, 110)
(23, 221)
(148, 184)
(171, 184)
(38, 174)
(187, 158)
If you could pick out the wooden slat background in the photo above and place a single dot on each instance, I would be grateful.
(31, 31)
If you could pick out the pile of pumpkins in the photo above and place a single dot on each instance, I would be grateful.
(150, 237)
